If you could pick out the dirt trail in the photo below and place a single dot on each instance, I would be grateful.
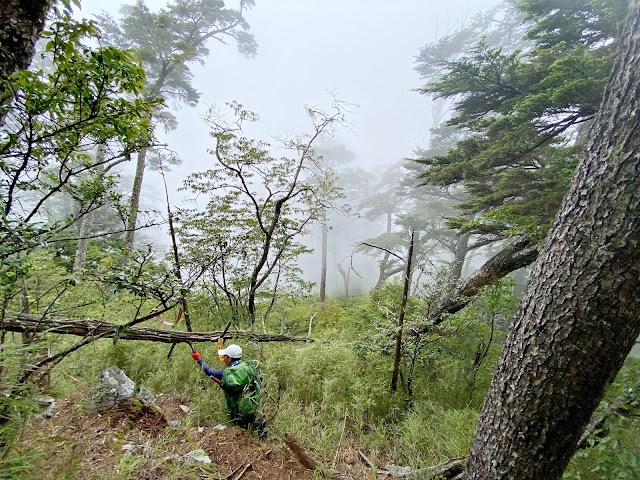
(137, 443)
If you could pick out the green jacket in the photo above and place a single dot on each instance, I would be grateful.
(241, 387)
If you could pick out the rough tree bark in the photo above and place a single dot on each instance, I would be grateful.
(580, 313)
(21, 22)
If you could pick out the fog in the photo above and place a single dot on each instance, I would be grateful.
(361, 52)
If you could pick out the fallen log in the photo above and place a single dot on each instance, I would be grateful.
(93, 328)
(310, 461)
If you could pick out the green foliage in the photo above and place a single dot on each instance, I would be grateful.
(16, 407)
(522, 113)
(431, 434)
(169, 40)
(615, 455)
(315, 388)
(258, 207)
(58, 115)
(336, 393)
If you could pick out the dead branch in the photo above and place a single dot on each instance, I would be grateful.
(366, 460)
(310, 461)
(241, 469)
(447, 470)
(95, 328)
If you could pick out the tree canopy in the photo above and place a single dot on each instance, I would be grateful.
(59, 114)
(520, 114)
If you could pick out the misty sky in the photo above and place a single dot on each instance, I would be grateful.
(362, 50)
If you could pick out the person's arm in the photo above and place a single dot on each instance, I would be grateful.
(214, 373)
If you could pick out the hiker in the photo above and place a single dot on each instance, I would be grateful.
(240, 383)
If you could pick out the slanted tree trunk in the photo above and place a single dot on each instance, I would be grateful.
(459, 257)
(323, 267)
(517, 255)
(580, 313)
(403, 308)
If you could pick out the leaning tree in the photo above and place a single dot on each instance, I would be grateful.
(580, 313)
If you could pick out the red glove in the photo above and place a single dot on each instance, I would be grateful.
(196, 356)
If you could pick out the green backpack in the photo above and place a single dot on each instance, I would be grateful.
(241, 386)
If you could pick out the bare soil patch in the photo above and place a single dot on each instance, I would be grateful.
(135, 441)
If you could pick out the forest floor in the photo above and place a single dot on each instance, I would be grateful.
(130, 442)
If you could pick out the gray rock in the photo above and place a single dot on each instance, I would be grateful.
(198, 455)
(114, 387)
(47, 403)
(175, 423)
(146, 396)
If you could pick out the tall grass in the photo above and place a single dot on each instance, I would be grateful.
(332, 393)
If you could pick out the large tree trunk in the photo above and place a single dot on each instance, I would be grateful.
(21, 22)
(580, 313)
(134, 202)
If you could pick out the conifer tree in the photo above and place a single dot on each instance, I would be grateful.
(521, 114)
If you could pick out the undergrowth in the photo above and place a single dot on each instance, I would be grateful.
(333, 393)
